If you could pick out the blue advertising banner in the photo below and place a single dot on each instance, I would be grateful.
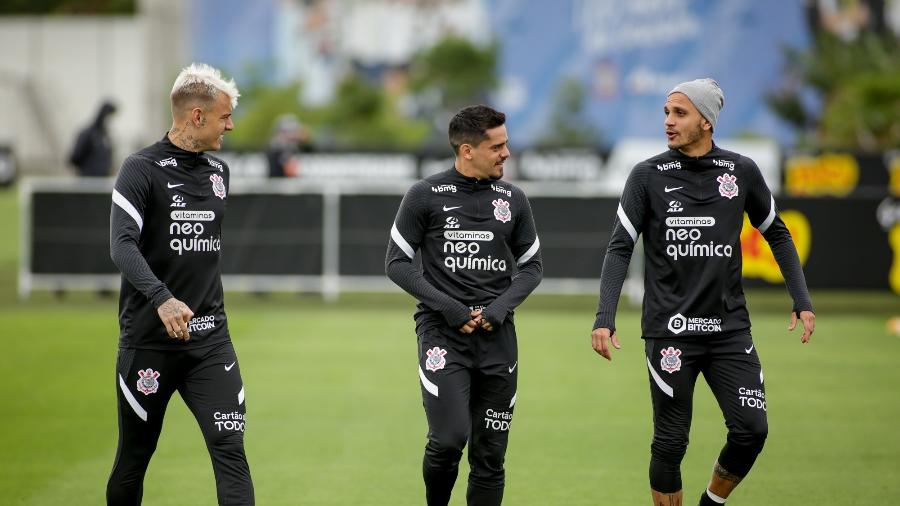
(625, 55)
(628, 55)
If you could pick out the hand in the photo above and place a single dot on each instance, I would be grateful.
(472, 324)
(808, 318)
(481, 320)
(175, 315)
(600, 339)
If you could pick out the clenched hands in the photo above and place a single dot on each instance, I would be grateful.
(175, 315)
(601, 339)
(475, 322)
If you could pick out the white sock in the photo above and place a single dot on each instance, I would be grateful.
(715, 498)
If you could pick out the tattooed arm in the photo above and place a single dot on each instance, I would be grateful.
(175, 315)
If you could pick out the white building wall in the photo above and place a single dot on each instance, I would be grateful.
(55, 71)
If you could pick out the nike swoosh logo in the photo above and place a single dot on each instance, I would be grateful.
(513, 368)
(451, 208)
(748, 350)
(170, 185)
(228, 367)
(673, 189)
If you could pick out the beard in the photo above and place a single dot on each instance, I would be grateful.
(690, 136)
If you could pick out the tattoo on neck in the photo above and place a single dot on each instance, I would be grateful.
(723, 473)
(178, 138)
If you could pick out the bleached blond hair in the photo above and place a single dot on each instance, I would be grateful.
(203, 82)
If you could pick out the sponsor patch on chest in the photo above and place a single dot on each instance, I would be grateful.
(728, 187)
(218, 185)
(501, 210)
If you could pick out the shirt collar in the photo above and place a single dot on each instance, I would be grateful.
(678, 155)
(188, 159)
(458, 178)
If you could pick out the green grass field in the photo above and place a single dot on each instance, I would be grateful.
(335, 414)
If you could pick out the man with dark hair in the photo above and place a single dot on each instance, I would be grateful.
(165, 236)
(92, 153)
(691, 201)
(480, 258)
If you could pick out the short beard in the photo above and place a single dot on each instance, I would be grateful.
(693, 136)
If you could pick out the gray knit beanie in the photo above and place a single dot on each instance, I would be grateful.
(706, 96)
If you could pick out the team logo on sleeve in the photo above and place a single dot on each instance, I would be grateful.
(501, 210)
(671, 360)
(146, 382)
(218, 185)
(728, 187)
(435, 360)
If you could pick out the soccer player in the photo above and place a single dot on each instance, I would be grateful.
(480, 257)
(690, 202)
(165, 237)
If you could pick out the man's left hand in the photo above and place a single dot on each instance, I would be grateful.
(808, 318)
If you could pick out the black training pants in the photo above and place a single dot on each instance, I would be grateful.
(469, 391)
(734, 374)
(209, 381)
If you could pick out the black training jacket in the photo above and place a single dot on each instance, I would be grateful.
(166, 239)
(475, 246)
(690, 211)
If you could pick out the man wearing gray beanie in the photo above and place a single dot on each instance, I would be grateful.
(691, 200)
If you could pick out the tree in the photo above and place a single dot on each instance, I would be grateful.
(858, 85)
(568, 126)
(456, 71)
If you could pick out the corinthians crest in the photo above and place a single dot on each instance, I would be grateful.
(501, 210)
(147, 383)
(435, 360)
(218, 185)
(728, 187)
(671, 360)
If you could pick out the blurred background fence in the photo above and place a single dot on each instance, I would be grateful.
(345, 103)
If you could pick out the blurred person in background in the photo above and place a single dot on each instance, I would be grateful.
(92, 154)
(165, 237)
(690, 201)
(480, 258)
(289, 140)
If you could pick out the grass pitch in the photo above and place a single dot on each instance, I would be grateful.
(335, 415)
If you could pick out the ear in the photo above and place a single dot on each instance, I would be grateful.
(705, 124)
(465, 151)
(196, 116)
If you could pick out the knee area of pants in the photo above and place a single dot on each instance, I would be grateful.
(440, 448)
(750, 437)
(738, 459)
(448, 442)
(665, 476)
(671, 451)
(490, 463)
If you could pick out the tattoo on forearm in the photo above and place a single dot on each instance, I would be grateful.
(672, 500)
(723, 473)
